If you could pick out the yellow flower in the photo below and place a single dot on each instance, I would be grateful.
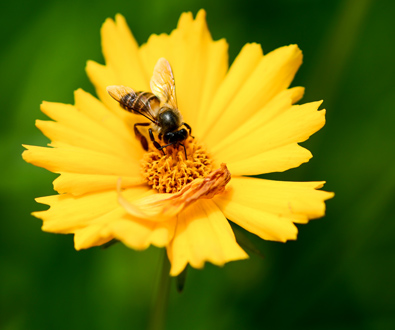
(243, 122)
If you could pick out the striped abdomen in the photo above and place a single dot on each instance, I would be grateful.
(140, 102)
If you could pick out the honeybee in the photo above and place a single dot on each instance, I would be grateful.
(159, 107)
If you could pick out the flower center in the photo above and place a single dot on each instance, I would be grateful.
(171, 172)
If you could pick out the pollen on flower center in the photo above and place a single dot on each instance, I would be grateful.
(171, 172)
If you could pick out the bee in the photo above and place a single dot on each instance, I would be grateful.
(159, 107)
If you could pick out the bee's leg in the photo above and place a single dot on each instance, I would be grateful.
(189, 129)
(140, 136)
(185, 150)
(156, 144)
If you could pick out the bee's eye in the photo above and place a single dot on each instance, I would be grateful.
(183, 133)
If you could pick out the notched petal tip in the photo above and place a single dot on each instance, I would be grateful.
(161, 207)
(119, 18)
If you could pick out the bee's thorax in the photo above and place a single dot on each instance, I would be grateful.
(168, 120)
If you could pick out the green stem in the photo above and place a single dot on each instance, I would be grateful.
(158, 312)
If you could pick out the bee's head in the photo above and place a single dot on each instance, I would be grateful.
(174, 137)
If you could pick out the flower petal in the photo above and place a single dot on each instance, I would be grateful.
(102, 76)
(190, 62)
(97, 218)
(272, 75)
(121, 53)
(78, 160)
(57, 132)
(139, 234)
(280, 104)
(156, 47)
(275, 160)
(88, 131)
(269, 208)
(85, 238)
(294, 125)
(244, 64)
(216, 69)
(202, 234)
(79, 184)
(68, 212)
(97, 111)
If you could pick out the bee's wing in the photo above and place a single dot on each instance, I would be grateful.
(134, 103)
(119, 92)
(163, 85)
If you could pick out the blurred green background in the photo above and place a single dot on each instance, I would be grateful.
(339, 274)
